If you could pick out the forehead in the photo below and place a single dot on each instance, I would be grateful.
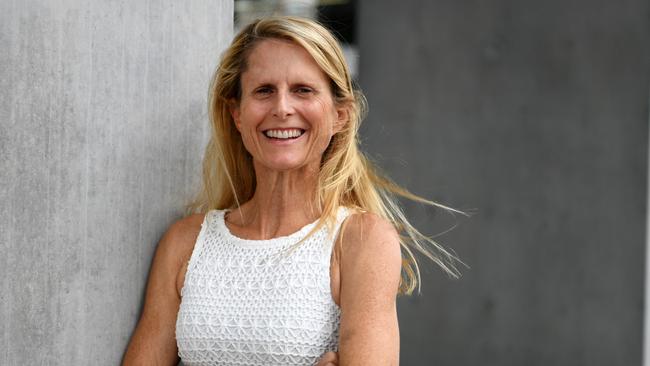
(281, 59)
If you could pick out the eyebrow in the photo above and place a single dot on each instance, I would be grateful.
(267, 84)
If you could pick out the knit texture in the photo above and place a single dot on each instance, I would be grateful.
(255, 302)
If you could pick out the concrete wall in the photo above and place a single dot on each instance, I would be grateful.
(103, 123)
(536, 114)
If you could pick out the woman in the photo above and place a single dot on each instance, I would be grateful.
(294, 258)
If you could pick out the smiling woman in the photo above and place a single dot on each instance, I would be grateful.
(293, 255)
(286, 114)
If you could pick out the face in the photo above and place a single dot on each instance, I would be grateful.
(286, 115)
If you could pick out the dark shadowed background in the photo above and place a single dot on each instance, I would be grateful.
(536, 114)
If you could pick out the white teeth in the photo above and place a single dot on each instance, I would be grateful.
(283, 134)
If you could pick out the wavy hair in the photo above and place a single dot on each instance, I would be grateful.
(346, 177)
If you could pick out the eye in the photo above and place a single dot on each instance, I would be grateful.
(264, 90)
(304, 90)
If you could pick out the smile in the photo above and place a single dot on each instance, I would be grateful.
(284, 134)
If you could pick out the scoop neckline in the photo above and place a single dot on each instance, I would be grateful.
(264, 243)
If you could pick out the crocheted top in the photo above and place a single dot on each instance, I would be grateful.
(258, 302)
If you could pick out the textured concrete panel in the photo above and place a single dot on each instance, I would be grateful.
(535, 113)
(103, 124)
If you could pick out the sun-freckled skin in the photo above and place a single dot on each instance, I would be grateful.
(283, 87)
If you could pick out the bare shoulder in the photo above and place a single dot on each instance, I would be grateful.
(367, 222)
(186, 228)
(175, 248)
(368, 232)
(178, 241)
(370, 258)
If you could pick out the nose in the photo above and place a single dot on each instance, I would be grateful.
(283, 105)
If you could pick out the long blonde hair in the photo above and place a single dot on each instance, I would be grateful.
(346, 178)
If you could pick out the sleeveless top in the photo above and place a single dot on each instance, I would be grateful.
(258, 302)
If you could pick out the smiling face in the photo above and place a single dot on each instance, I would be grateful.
(286, 114)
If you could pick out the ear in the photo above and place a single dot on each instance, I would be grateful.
(233, 108)
(342, 117)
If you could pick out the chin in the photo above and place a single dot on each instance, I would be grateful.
(284, 165)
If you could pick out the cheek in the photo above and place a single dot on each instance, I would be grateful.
(324, 115)
(249, 120)
(246, 125)
(250, 113)
(323, 130)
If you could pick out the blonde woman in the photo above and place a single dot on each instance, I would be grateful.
(294, 256)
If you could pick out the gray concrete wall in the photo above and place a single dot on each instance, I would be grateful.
(536, 114)
(102, 126)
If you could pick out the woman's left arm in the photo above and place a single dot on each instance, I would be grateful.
(370, 267)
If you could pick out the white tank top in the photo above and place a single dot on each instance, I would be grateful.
(248, 302)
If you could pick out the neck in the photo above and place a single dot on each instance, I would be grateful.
(282, 203)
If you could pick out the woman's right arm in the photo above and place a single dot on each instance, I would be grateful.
(153, 341)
